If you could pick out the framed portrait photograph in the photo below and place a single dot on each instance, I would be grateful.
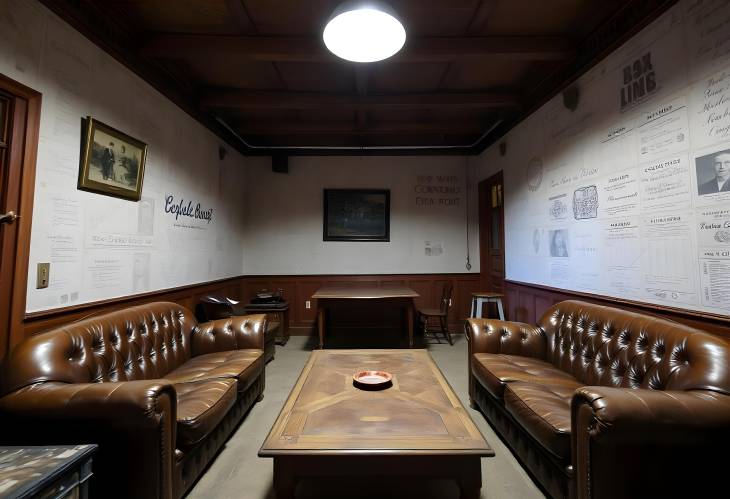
(112, 162)
(713, 173)
(356, 215)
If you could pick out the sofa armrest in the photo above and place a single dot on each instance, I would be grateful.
(632, 441)
(128, 403)
(133, 422)
(507, 337)
(233, 333)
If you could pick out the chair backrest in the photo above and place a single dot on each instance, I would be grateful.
(143, 342)
(446, 293)
(212, 308)
(613, 347)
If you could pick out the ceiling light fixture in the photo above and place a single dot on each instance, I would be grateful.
(364, 31)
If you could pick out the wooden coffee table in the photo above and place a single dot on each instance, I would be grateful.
(415, 429)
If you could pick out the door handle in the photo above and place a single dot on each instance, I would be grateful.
(9, 218)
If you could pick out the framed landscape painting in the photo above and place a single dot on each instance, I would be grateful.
(356, 215)
(112, 162)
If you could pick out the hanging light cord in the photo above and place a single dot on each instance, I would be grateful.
(466, 182)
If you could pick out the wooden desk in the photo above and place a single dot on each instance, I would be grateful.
(414, 430)
(396, 296)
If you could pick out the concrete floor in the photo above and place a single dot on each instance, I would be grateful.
(239, 473)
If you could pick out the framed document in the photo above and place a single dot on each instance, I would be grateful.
(356, 215)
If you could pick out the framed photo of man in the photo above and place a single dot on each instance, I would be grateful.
(112, 162)
(713, 173)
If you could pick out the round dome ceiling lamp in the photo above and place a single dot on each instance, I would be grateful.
(364, 31)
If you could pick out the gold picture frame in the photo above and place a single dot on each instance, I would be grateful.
(112, 162)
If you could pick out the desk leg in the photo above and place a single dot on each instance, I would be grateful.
(500, 309)
(320, 323)
(410, 311)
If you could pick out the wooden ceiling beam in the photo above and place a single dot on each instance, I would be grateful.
(311, 49)
(252, 99)
(240, 16)
(254, 128)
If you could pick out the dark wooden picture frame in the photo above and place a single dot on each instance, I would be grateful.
(112, 162)
(356, 215)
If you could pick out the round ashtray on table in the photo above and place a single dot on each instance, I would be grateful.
(372, 380)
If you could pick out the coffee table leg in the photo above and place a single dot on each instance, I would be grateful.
(320, 323)
(285, 483)
(466, 492)
(470, 479)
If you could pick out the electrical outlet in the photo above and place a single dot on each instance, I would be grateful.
(44, 271)
(307, 304)
(449, 302)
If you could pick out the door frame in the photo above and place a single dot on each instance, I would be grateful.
(485, 265)
(21, 163)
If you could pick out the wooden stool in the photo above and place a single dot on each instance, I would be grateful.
(480, 298)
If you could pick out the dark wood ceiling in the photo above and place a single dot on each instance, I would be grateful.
(257, 70)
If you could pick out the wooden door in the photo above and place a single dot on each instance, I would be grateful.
(491, 233)
(19, 118)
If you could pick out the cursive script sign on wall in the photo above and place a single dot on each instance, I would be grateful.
(182, 209)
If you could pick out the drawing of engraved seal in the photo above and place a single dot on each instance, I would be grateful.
(722, 236)
(585, 203)
(558, 209)
(534, 174)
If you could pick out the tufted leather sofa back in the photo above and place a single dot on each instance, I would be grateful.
(613, 347)
(143, 342)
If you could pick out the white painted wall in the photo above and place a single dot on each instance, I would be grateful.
(284, 217)
(653, 236)
(93, 241)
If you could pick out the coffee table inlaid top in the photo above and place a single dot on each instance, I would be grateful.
(419, 414)
(364, 292)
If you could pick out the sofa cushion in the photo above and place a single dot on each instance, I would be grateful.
(495, 371)
(201, 405)
(544, 412)
(242, 365)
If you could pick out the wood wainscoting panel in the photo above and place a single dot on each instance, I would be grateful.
(423, 288)
(307, 316)
(252, 285)
(512, 297)
(527, 303)
(461, 307)
(296, 289)
(187, 296)
(524, 302)
(542, 303)
(527, 307)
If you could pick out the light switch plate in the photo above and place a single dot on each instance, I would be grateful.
(307, 304)
(44, 271)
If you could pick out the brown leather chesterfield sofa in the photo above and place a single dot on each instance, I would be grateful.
(157, 391)
(216, 307)
(599, 402)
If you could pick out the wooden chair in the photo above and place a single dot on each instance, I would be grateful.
(426, 315)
